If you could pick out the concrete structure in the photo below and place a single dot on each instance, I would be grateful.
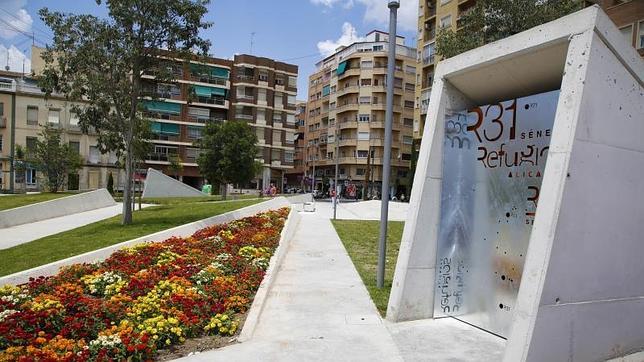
(23, 112)
(54, 208)
(157, 184)
(347, 102)
(179, 231)
(569, 306)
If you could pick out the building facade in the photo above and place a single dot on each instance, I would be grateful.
(296, 177)
(256, 90)
(24, 111)
(346, 112)
(434, 15)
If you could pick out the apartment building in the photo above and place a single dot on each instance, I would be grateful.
(256, 90)
(296, 176)
(346, 111)
(24, 111)
(263, 94)
(434, 15)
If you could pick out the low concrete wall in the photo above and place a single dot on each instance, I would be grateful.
(265, 287)
(180, 231)
(55, 208)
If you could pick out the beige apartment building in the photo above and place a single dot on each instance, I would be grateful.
(433, 15)
(24, 110)
(346, 110)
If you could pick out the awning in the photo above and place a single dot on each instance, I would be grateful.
(220, 72)
(202, 91)
(164, 107)
(165, 128)
(342, 67)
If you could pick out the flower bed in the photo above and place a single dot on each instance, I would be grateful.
(141, 299)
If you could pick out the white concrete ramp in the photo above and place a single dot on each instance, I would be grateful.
(158, 184)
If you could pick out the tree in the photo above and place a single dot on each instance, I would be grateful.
(175, 166)
(110, 183)
(228, 153)
(492, 20)
(55, 159)
(20, 166)
(100, 62)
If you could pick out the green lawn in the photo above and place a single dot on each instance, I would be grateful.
(360, 238)
(184, 200)
(108, 232)
(11, 201)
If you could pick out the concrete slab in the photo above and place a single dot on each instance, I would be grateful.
(157, 184)
(363, 210)
(318, 308)
(25, 233)
(445, 339)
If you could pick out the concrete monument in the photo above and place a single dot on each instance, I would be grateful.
(526, 216)
(159, 185)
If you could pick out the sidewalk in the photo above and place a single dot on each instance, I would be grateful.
(25, 233)
(318, 309)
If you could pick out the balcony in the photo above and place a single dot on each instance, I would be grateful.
(348, 90)
(166, 137)
(347, 107)
(202, 78)
(160, 156)
(166, 116)
(428, 59)
(204, 120)
(246, 78)
(244, 116)
(246, 98)
(216, 101)
(348, 124)
(163, 95)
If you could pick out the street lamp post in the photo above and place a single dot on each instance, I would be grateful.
(335, 183)
(386, 162)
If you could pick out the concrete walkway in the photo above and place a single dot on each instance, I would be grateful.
(318, 309)
(25, 233)
(362, 210)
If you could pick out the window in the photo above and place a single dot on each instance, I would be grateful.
(364, 117)
(73, 119)
(194, 133)
(407, 140)
(360, 171)
(409, 86)
(378, 48)
(366, 64)
(627, 32)
(364, 100)
(192, 154)
(1, 109)
(446, 21)
(292, 82)
(75, 146)
(288, 156)
(0, 142)
(30, 176)
(30, 144)
(410, 69)
(365, 82)
(279, 101)
(32, 115)
(54, 116)
(406, 156)
(290, 119)
(276, 155)
(259, 132)
(277, 137)
(290, 138)
(94, 155)
(443, 2)
(291, 100)
(409, 104)
(263, 75)
(363, 136)
(402, 173)
(640, 36)
(362, 154)
(408, 122)
(279, 80)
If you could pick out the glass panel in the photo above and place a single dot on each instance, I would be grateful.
(493, 162)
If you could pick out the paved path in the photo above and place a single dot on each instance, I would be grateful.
(362, 210)
(318, 309)
(24, 233)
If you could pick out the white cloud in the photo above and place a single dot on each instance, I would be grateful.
(349, 35)
(347, 4)
(15, 59)
(16, 16)
(377, 12)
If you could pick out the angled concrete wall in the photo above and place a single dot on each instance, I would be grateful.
(581, 296)
(180, 231)
(159, 185)
(63, 206)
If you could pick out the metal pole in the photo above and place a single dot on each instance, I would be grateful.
(313, 179)
(335, 184)
(386, 162)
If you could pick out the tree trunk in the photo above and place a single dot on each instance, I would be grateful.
(127, 190)
(224, 191)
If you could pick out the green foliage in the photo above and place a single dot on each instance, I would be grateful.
(492, 20)
(175, 166)
(110, 184)
(228, 153)
(97, 63)
(54, 158)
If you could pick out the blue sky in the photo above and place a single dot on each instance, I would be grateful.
(295, 31)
